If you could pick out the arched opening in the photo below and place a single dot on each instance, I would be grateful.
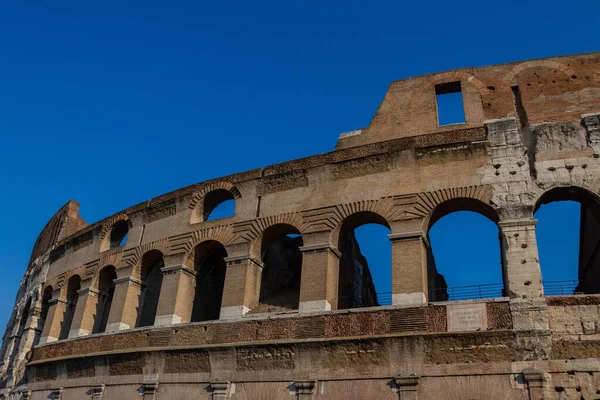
(365, 272)
(463, 257)
(106, 287)
(118, 234)
(46, 297)
(151, 275)
(22, 324)
(568, 237)
(210, 267)
(73, 286)
(282, 269)
(218, 204)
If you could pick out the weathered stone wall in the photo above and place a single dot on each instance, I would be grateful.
(531, 135)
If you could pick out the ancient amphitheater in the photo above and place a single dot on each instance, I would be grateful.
(276, 302)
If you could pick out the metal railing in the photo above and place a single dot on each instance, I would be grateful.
(472, 292)
(561, 288)
(380, 299)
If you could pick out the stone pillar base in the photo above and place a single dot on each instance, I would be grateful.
(409, 299)
(314, 306)
(233, 312)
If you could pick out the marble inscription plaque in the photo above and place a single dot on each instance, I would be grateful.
(466, 317)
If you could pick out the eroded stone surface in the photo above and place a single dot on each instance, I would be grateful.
(531, 135)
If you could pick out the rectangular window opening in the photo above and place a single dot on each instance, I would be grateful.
(449, 100)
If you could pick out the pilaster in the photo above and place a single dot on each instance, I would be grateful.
(30, 335)
(54, 320)
(176, 295)
(86, 311)
(320, 277)
(124, 308)
(242, 286)
(409, 268)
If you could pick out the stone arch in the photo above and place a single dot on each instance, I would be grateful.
(439, 208)
(459, 204)
(114, 230)
(281, 257)
(448, 76)
(133, 258)
(510, 75)
(151, 276)
(469, 198)
(355, 283)
(588, 273)
(47, 294)
(73, 285)
(383, 208)
(187, 243)
(207, 258)
(559, 192)
(24, 316)
(205, 200)
(254, 230)
(106, 289)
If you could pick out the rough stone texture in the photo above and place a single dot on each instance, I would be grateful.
(531, 136)
(189, 361)
(498, 316)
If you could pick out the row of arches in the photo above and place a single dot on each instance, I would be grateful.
(216, 204)
(463, 250)
(466, 247)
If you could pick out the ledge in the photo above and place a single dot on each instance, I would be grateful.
(286, 328)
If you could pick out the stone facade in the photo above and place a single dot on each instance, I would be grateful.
(160, 302)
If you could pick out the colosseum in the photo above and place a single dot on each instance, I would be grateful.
(159, 301)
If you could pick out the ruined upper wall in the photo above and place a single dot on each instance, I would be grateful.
(549, 90)
(64, 223)
(405, 124)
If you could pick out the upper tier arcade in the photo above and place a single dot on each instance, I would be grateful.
(530, 135)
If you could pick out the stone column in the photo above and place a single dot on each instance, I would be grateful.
(124, 308)
(242, 286)
(13, 341)
(522, 274)
(57, 307)
(31, 333)
(305, 389)
(409, 268)
(407, 386)
(320, 276)
(176, 295)
(86, 310)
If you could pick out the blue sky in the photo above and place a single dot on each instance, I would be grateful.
(112, 103)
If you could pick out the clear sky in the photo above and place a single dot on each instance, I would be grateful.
(111, 103)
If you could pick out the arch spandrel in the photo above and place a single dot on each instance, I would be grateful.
(132, 259)
(251, 232)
